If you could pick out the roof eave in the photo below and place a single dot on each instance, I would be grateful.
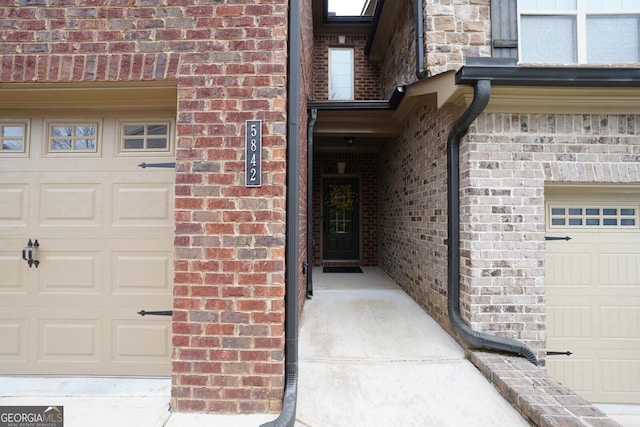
(507, 72)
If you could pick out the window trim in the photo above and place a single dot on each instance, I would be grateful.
(79, 121)
(145, 121)
(26, 123)
(584, 216)
(580, 13)
(352, 75)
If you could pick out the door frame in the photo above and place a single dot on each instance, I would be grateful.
(323, 178)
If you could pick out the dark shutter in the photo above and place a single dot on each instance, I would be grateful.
(504, 29)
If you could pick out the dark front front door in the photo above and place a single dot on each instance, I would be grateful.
(341, 219)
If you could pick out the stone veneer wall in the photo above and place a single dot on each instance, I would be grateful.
(413, 209)
(229, 63)
(455, 30)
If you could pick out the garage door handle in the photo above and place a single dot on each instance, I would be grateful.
(144, 165)
(559, 353)
(27, 253)
(155, 313)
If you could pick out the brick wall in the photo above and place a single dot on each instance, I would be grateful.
(362, 165)
(399, 63)
(455, 31)
(229, 64)
(366, 73)
(413, 209)
(507, 159)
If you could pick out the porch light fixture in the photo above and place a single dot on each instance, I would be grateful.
(349, 140)
(341, 167)
(342, 39)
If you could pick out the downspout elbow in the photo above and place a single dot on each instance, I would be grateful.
(288, 413)
(481, 340)
(475, 339)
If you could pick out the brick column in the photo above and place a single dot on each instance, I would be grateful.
(229, 267)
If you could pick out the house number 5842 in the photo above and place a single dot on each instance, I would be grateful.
(253, 153)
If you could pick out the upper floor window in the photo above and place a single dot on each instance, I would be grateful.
(341, 73)
(579, 31)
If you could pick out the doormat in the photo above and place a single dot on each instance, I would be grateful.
(341, 270)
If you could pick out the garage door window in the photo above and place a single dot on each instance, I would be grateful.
(13, 138)
(593, 217)
(73, 137)
(137, 137)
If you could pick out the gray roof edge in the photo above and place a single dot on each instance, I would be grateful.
(505, 71)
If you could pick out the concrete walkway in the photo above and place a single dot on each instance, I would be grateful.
(369, 356)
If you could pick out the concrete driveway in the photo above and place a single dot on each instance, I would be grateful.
(369, 356)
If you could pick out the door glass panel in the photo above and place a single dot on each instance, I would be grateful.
(341, 203)
(340, 222)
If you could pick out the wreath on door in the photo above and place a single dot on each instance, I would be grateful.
(341, 197)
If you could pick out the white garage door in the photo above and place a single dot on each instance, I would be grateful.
(593, 291)
(104, 228)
